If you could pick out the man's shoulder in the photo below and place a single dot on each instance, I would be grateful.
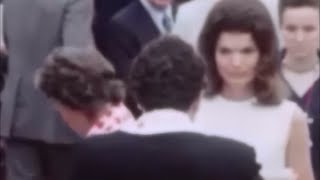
(218, 143)
(213, 148)
(230, 147)
(126, 18)
(179, 139)
(183, 136)
(208, 155)
(126, 14)
(227, 156)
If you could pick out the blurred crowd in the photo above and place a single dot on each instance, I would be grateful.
(159, 89)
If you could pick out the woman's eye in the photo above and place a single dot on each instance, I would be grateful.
(224, 51)
(248, 50)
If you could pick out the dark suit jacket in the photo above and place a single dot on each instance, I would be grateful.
(126, 34)
(315, 128)
(104, 10)
(167, 156)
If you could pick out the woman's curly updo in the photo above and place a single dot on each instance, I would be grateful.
(80, 79)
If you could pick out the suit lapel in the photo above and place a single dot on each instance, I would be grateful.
(146, 27)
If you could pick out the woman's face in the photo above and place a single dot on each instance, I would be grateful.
(236, 57)
(300, 30)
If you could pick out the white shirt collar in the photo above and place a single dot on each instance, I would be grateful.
(157, 15)
(163, 121)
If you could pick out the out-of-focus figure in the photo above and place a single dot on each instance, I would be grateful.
(104, 10)
(37, 141)
(134, 27)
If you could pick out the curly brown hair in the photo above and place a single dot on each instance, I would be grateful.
(80, 79)
(248, 16)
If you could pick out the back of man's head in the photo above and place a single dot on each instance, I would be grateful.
(167, 74)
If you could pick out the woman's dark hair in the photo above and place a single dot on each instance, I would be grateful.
(284, 4)
(167, 74)
(80, 79)
(247, 16)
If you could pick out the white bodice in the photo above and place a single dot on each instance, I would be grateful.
(266, 128)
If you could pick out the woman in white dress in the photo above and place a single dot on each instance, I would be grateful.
(244, 99)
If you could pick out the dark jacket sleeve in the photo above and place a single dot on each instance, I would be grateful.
(85, 165)
(104, 11)
(253, 165)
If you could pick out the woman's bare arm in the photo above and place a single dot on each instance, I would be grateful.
(298, 149)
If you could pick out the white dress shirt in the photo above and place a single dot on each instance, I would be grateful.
(163, 121)
(157, 15)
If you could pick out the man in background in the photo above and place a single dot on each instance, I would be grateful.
(104, 10)
(132, 28)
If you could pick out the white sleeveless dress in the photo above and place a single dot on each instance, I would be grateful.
(266, 128)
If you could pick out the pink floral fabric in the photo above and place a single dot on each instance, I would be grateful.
(112, 121)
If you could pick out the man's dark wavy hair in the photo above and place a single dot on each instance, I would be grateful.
(167, 74)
